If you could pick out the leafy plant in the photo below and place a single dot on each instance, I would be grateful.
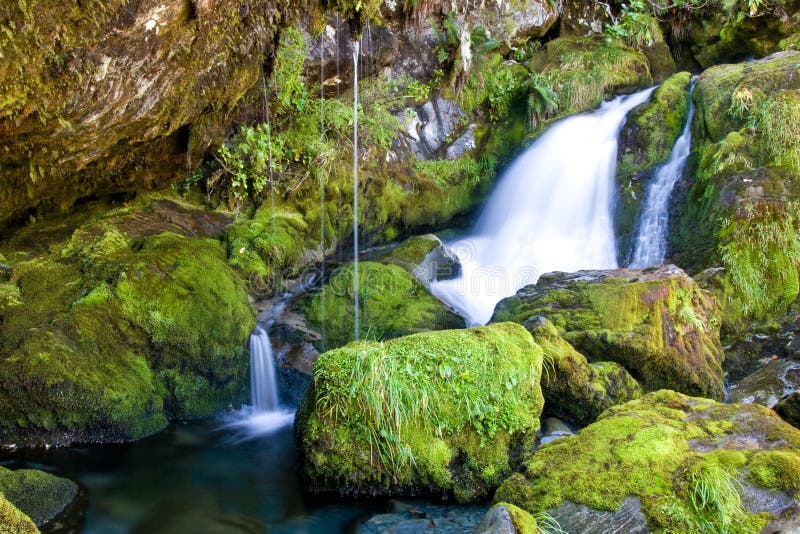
(542, 99)
(635, 25)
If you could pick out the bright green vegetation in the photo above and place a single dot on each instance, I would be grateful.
(659, 326)
(393, 303)
(573, 74)
(634, 25)
(645, 141)
(39, 495)
(675, 453)
(105, 336)
(575, 390)
(12, 521)
(741, 211)
(432, 412)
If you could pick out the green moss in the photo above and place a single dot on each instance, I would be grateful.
(12, 521)
(522, 521)
(436, 411)
(740, 211)
(583, 71)
(665, 448)
(575, 390)
(109, 336)
(413, 251)
(776, 469)
(39, 495)
(392, 303)
(636, 319)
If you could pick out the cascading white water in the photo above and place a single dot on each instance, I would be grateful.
(550, 212)
(263, 388)
(651, 240)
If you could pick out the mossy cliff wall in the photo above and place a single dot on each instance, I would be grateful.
(100, 97)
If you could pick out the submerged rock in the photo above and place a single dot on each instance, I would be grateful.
(440, 413)
(651, 461)
(574, 389)
(409, 518)
(392, 303)
(656, 323)
(39, 495)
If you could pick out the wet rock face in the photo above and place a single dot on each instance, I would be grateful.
(789, 409)
(656, 323)
(424, 131)
(768, 385)
(124, 93)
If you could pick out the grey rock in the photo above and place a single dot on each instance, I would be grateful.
(767, 386)
(580, 519)
(424, 131)
(496, 521)
(463, 144)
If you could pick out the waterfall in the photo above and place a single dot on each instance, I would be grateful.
(551, 211)
(263, 388)
(356, 48)
(651, 240)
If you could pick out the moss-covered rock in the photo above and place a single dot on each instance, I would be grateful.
(12, 521)
(106, 336)
(645, 141)
(437, 412)
(426, 257)
(505, 518)
(740, 211)
(695, 465)
(39, 495)
(580, 72)
(392, 303)
(656, 323)
(574, 389)
(734, 30)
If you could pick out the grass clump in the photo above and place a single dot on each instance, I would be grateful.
(436, 411)
(760, 252)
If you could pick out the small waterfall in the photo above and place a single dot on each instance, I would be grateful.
(263, 388)
(651, 241)
(551, 211)
(356, 49)
(322, 171)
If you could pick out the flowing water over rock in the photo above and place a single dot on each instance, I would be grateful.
(651, 240)
(550, 212)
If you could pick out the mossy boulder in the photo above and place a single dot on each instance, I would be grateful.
(645, 141)
(505, 518)
(740, 210)
(574, 389)
(693, 464)
(392, 303)
(434, 413)
(39, 495)
(105, 337)
(656, 323)
(13, 521)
